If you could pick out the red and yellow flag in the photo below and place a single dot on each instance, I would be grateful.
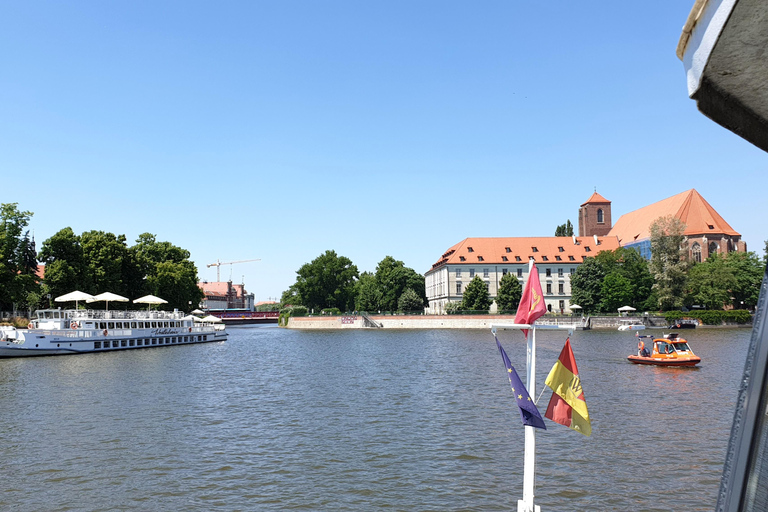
(532, 302)
(567, 405)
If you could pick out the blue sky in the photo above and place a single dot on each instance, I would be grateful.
(279, 130)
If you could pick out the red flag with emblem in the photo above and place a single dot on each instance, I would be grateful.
(532, 302)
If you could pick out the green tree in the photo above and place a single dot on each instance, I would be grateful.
(586, 285)
(17, 260)
(510, 292)
(105, 254)
(65, 268)
(367, 293)
(476, 296)
(616, 291)
(410, 301)
(291, 297)
(709, 283)
(393, 278)
(748, 271)
(564, 229)
(668, 262)
(328, 281)
(629, 264)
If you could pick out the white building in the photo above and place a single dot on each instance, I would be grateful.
(556, 259)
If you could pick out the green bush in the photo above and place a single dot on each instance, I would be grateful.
(711, 317)
(286, 313)
(330, 311)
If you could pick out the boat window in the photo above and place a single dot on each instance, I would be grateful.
(133, 325)
(154, 325)
(682, 346)
(102, 325)
(110, 325)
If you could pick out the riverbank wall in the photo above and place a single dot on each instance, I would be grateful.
(460, 321)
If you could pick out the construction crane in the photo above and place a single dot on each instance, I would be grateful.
(218, 265)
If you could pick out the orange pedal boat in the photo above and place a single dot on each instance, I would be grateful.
(669, 350)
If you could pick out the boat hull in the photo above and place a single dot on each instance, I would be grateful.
(658, 361)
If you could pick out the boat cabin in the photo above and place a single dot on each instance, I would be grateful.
(51, 319)
(670, 344)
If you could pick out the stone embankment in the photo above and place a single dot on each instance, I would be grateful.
(457, 322)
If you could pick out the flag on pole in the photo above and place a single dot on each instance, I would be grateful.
(528, 411)
(567, 405)
(531, 304)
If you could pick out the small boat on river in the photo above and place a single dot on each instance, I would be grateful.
(78, 331)
(669, 350)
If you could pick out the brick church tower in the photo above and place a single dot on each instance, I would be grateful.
(595, 216)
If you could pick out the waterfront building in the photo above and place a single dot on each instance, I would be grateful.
(490, 258)
(222, 295)
(706, 232)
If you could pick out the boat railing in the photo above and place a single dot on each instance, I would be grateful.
(123, 315)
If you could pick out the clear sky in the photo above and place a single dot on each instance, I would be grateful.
(279, 130)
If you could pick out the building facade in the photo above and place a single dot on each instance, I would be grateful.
(595, 216)
(226, 295)
(556, 258)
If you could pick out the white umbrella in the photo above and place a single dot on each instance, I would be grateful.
(76, 296)
(624, 308)
(212, 319)
(575, 306)
(197, 312)
(108, 296)
(150, 299)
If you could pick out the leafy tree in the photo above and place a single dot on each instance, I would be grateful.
(476, 296)
(17, 259)
(709, 283)
(65, 268)
(586, 285)
(564, 229)
(510, 292)
(105, 254)
(668, 263)
(368, 296)
(327, 282)
(393, 278)
(748, 271)
(291, 297)
(410, 301)
(616, 291)
(629, 264)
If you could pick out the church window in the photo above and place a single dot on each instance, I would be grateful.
(600, 216)
(712, 248)
(696, 252)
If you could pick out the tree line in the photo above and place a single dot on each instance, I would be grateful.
(92, 262)
(331, 281)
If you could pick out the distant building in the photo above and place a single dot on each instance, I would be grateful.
(595, 216)
(490, 258)
(706, 231)
(225, 295)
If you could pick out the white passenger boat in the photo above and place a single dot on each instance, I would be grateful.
(77, 331)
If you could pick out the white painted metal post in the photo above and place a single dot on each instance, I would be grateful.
(529, 463)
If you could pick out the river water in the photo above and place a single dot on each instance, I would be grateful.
(357, 420)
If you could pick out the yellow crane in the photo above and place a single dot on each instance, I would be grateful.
(218, 265)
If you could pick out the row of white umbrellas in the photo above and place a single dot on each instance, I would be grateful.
(77, 296)
(622, 309)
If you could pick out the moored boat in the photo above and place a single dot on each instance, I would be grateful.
(669, 350)
(78, 331)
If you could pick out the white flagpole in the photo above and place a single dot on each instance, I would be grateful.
(529, 464)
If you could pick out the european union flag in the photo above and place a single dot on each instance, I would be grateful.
(528, 411)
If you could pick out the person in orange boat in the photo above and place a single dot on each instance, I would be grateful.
(641, 350)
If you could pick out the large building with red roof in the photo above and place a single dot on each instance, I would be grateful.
(556, 259)
(706, 231)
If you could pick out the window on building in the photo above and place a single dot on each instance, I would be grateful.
(519, 272)
(534, 249)
(471, 273)
(504, 271)
(469, 249)
(562, 305)
(549, 272)
(549, 288)
(600, 216)
(571, 258)
(487, 286)
(573, 269)
(458, 272)
(561, 249)
(560, 272)
(458, 288)
(586, 248)
(508, 249)
(560, 288)
(696, 252)
(486, 272)
(504, 258)
(462, 258)
(517, 258)
(544, 258)
(712, 248)
(558, 258)
(480, 258)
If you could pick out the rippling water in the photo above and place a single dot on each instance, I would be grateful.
(360, 420)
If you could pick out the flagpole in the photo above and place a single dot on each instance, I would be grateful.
(529, 465)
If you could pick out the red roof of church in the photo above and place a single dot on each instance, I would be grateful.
(596, 198)
(697, 214)
(545, 249)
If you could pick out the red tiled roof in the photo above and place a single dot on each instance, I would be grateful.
(487, 251)
(596, 198)
(697, 214)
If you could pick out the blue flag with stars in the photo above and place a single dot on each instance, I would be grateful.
(528, 411)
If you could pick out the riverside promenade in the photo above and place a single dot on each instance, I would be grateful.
(362, 321)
